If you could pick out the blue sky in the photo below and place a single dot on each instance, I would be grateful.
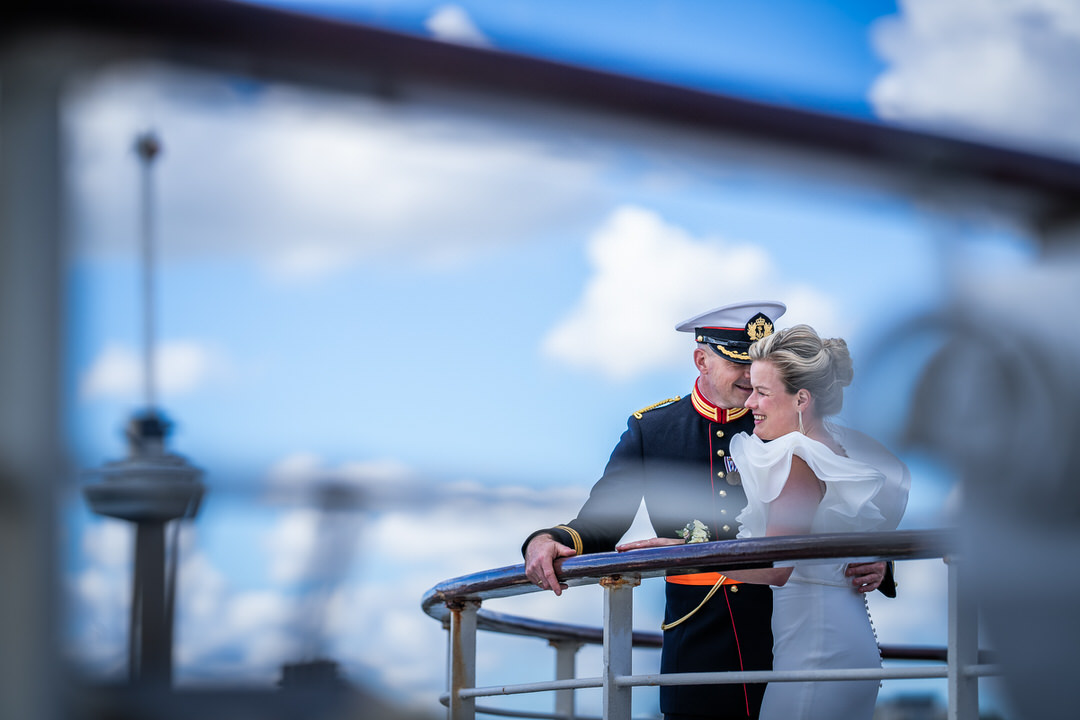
(456, 310)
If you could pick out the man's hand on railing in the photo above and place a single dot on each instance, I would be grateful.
(866, 576)
(540, 556)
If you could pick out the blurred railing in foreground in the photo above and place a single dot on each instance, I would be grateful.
(456, 603)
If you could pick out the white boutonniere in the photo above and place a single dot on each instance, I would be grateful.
(694, 532)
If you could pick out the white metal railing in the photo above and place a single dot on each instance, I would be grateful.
(457, 602)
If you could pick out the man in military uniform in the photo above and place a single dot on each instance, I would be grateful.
(675, 455)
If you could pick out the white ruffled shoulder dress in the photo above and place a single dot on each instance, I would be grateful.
(819, 621)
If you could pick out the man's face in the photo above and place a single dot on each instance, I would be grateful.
(725, 383)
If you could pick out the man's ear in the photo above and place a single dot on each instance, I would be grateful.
(699, 360)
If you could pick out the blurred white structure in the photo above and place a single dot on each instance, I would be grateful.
(1000, 403)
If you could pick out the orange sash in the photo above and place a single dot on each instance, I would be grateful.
(708, 578)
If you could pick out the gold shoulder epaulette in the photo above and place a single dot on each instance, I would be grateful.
(644, 410)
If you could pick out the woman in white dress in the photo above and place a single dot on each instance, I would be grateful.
(801, 477)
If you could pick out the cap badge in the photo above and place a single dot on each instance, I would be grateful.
(759, 327)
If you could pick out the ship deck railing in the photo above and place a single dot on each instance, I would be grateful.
(456, 603)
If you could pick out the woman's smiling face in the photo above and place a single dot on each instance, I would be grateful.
(775, 409)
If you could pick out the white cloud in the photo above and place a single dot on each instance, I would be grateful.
(303, 469)
(381, 617)
(306, 183)
(375, 614)
(648, 275)
(389, 486)
(290, 543)
(109, 544)
(253, 626)
(116, 371)
(1004, 69)
(181, 367)
(452, 24)
(102, 596)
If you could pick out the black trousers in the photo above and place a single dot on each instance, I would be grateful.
(731, 632)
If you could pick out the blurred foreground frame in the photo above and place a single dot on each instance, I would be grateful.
(1007, 370)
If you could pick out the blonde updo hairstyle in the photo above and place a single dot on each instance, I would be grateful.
(806, 361)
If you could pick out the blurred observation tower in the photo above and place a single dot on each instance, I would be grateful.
(151, 486)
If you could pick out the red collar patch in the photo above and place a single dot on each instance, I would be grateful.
(711, 412)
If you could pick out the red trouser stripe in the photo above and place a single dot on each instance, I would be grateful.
(738, 650)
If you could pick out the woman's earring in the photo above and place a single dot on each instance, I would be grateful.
(800, 423)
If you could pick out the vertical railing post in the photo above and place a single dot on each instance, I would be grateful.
(32, 368)
(963, 644)
(618, 644)
(462, 658)
(565, 669)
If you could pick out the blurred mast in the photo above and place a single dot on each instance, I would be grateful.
(148, 148)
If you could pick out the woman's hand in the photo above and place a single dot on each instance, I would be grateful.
(866, 577)
(651, 542)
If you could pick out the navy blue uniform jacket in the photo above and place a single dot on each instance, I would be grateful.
(675, 456)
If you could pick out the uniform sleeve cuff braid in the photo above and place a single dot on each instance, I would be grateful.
(579, 548)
